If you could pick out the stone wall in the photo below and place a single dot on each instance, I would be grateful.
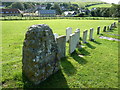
(39, 53)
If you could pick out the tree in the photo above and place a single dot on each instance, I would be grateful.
(48, 6)
(57, 8)
(17, 5)
(115, 10)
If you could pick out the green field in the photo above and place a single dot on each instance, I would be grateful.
(97, 69)
(101, 6)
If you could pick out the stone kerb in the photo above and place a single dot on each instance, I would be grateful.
(85, 36)
(91, 34)
(68, 32)
(39, 54)
(55, 35)
(61, 43)
(98, 30)
(104, 29)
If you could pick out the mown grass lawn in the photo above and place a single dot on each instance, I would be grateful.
(97, 69)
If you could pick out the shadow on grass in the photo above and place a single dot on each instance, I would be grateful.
(79, 59)
(68, 68)
(56, 80)
(90, 46)
(96, 42)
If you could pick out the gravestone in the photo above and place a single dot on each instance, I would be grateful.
(98, 30)
(108, 28)
(61, 43)
(77, 34)
(115, 26)
(85, 36)
(91, 35)
(55, 35)
(74, 41)
(68, 32)
(40, 53)
(111, 27)
(104, 29)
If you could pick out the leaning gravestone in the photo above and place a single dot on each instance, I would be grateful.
(61, 43)
(39, 53)
(98, 30)
(68, 32)
(104, 29)
(85, 36)
(91, 35)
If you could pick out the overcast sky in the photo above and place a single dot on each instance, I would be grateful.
(111, 1)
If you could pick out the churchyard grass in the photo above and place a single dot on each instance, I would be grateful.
(97, 69)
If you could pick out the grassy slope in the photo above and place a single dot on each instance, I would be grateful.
(98, 68)
(101, 5)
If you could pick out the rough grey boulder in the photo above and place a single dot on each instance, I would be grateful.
(40, 59)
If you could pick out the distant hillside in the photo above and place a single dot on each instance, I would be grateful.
(51, 1)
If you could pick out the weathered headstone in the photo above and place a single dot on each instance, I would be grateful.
(40, 53)
(104, 29)
(61, 43)
(91, 35)
(98, 30)
(55, 35)
(68, 32)
(85, 36)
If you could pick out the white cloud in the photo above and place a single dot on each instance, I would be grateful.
(111, 1)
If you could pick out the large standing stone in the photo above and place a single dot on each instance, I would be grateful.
(61, 43)
(91, 35)
(104, 29)
(39, 53)
(98, 30)
(85, 36)
(68, 32)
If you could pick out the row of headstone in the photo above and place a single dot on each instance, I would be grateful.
(42, 50)
(110, 27)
